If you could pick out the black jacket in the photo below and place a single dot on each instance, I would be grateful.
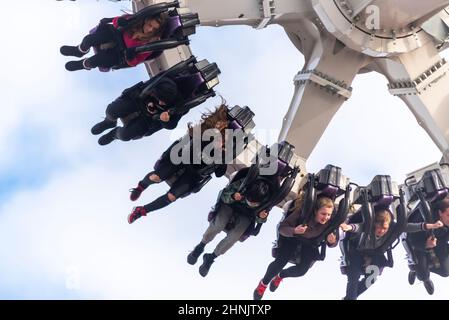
(418, 239)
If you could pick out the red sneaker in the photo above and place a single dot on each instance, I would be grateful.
(260, 290)
(136, 192)
(275, 282)
(136, 214)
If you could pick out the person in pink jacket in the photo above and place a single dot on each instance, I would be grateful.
(112, 40)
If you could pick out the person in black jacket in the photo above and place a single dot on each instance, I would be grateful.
(431, 250)
(142, 115)
(192, 175)
(358, 261)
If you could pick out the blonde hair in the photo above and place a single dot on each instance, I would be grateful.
(298, 202)
(382, 217)
(321, 202)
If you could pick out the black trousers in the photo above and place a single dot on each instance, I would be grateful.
(141, 126)
(424, 260)
(166, 169)
(308, 257)
(285, 252)
(103, 58)
(184, 184)
(355, 269)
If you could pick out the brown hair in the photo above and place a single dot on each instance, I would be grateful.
(382, 217)
(298, 202)
(321, 202)
(135, 30)
(209, 120)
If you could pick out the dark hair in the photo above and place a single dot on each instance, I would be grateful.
(441, 205)
(137, 26)
(258, 191)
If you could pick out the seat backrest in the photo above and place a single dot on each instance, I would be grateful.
(181, 23)
(241, 118)
(172, 24)
(172, 72)
(277, 159)
(433, 186)
(381, 193)
(196, 78)
(188, 84)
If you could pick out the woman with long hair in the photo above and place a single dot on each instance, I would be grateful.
(112, 40)
(291, 232)
(216, 120)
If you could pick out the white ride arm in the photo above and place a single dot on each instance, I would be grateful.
(421, 80)
(320, 88)
(254, 13)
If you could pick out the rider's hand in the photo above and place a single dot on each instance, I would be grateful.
(165, 116)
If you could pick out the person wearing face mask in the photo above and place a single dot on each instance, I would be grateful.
(147, 113)
(291, 244)
(235, 212)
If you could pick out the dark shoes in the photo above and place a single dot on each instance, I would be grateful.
(208, 259)
(72, 51)
(102, 126)
(428, 284)
(136, 192)
(411, 277)
(259, 291)
(192, 258)
(136, 214)
(76, 65)
(275, 282)
(107, 138)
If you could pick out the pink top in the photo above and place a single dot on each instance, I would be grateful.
(130, 42)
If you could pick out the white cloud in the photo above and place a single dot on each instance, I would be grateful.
(35, 86)
(75, 228)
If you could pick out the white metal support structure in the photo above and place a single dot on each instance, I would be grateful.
(401, 39)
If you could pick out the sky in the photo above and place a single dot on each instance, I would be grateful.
(64, 199)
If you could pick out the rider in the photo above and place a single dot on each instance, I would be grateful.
(137, 33)
(192, 174)
(235, 211)
(142, 110)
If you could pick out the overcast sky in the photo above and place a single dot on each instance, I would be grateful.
(64, 199)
